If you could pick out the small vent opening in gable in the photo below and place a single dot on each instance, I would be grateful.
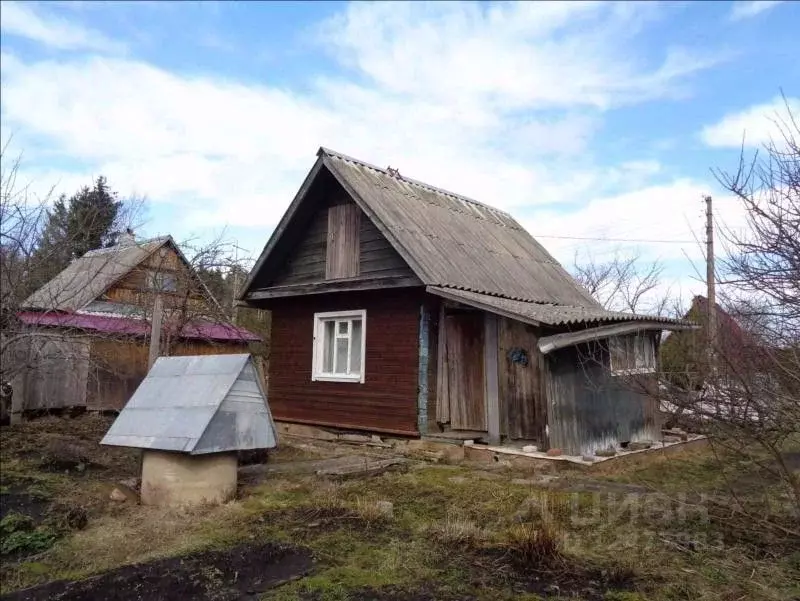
(344, 225)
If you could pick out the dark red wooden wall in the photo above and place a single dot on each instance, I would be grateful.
(386, 401)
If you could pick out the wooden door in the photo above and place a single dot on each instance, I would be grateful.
(465, 378)
(524, 411)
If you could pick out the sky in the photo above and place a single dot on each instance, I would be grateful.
(596, 124)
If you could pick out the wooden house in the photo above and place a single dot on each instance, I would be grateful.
(90, 326)
(402, 308)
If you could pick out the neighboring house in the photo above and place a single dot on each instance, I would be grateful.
(684, 355)
(88, 329)
(398, 307)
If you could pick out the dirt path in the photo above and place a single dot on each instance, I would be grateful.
(236, 574)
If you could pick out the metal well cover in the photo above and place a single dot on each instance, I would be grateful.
(197, 404)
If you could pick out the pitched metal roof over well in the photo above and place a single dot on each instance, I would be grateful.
(197, 405)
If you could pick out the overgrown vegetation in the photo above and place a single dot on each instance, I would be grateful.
(431, 532)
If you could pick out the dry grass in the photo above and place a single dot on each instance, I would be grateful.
(456, 530)
(532, 544)
(443, 520)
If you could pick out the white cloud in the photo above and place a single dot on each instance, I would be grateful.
(27, 20)
(753, 126)
(632, 223)
(529, 54)
(672, 212)
(500, 104)
(751, 8)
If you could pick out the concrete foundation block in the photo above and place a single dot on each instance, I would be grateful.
(173, 479)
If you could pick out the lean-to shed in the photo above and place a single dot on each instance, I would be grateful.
(190, 416)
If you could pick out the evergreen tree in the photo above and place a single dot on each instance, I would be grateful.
(75, 225)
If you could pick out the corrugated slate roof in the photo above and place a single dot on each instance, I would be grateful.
(459, 247)
(196, 405)
(86, 278)
(545, 313)
(455, 242)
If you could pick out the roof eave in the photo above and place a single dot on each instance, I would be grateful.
(279, 230)
(548, 344)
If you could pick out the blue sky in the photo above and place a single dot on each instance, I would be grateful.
(584, 120)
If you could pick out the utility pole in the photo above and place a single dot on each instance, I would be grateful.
(711, 318)
(155, 331)
(235, 269)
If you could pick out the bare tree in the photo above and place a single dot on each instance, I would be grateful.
(624, 283)
(749, 400)
(25, 264)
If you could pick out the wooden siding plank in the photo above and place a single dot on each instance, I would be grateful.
(442, 377)
(424, 353)
(491, 377)
(522, 400)
(344, 225)
(465, 371)
(387, 401)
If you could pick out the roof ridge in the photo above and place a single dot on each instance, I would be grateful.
(414, 182)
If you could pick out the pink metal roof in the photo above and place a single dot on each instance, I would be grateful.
(127, 326)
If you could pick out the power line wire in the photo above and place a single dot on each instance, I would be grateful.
(616, 239)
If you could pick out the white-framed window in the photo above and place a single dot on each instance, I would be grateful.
(339, 345)
(162, 281)
(632, 354)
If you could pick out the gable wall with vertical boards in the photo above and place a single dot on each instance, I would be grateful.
(355, 250)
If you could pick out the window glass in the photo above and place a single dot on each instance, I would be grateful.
(355, 347)
(342, 345)
(338, 346)
(632, 353)
(327, 347)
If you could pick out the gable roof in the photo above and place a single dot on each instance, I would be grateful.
(451, 242)
(86, 278)
(197, 405)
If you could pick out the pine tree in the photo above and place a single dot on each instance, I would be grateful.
(76, 225)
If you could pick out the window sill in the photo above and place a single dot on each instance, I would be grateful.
(633, 372)
(337, 378)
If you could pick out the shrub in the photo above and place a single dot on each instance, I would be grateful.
(18, 534)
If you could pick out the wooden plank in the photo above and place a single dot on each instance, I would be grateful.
(520, 385)
(372, 283)
(442, 395)
(424, 351)
(344, 224)
(491, 377)
(465, 332)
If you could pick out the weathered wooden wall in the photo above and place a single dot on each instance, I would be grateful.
(56, 373)
(342, 254)
(523, 407)
(134, 288)
(386, 401)
(318, 252)
(464, 338)
(117, 367)
(589, 408)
